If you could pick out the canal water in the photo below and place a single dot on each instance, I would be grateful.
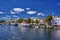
(26, 33)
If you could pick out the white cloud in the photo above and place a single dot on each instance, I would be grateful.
(14, 15)
(27, 8)
(1, 12)
(18, 9)
(31, 12)
(41, 14)
(4, 17)
(58, 3)
(8, 16)
(33, 17)
(12, 12)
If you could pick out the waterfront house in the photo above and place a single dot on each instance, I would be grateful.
(41, 21)
(56, 21)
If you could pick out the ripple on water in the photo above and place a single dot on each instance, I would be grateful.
(26, 33)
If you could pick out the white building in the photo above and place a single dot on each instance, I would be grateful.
(56, 20)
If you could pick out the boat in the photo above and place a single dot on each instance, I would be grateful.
(26, 25)
(14, 24)
(2, 24)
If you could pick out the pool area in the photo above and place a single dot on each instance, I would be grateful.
(26, 33)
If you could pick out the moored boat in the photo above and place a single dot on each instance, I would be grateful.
(14, 24)
(26, 25)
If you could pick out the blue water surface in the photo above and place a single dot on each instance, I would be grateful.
(26, 33)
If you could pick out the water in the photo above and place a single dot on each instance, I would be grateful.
(25, 33)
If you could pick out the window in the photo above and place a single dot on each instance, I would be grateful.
(55, 23)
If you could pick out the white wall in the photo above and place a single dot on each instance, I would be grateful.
(56, 21)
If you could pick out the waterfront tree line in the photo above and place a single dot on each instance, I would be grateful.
(29, 20)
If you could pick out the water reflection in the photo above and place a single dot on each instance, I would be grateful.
(49, 34)
(26, 33)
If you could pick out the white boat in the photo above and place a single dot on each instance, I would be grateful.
(14, 24)
(25, 25)
(36, 27)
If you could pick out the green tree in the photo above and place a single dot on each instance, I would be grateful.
(36, 21)
(28, 20)
(20, 20)
(2, 21)
(11, 21)
(48, 19)
(32, 21)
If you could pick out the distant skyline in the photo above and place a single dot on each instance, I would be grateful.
(28, 8)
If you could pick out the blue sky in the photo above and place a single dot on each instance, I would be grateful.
(28, 8)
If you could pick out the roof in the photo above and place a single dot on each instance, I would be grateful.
(57, 16)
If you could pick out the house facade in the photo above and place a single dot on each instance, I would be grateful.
(41, 21)
(56, 20)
